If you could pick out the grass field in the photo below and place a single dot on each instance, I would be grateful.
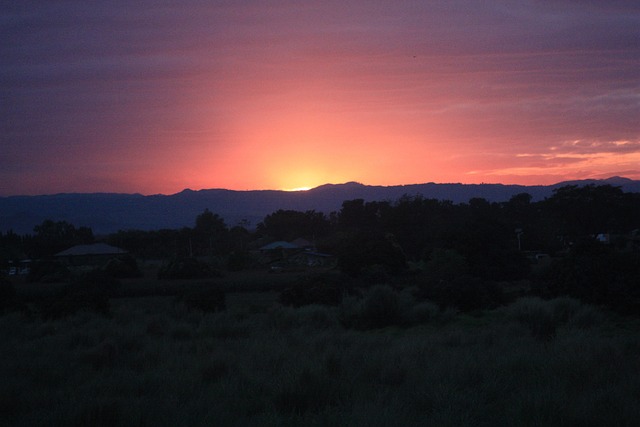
(154, 362)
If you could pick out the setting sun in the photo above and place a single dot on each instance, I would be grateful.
(250, 96)
(297, 189)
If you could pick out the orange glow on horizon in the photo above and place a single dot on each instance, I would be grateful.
(267, 96)
(296, 125)
(297, 189)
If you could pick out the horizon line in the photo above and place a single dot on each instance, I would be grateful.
(307, 189)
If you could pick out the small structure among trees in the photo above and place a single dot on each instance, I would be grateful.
(299, 253)
(94, 254)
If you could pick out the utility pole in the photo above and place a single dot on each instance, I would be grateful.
(518, 234)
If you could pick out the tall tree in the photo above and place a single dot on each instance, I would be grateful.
(210, 234)
(55, 236)
(290, 224)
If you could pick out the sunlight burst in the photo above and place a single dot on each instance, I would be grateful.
(297, 189)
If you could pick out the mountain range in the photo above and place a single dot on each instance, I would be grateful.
(110, 212)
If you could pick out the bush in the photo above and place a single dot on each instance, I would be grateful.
(238, 261)
(207, 300)
(308, 393)
(377, 308)
(382, 306)
(537, 316)
(367, 249)
(446, 264)
(96, 282)
(323, 289)
(71, 303)
(48, 272)
(298, 296)
(421, 312)
(543, 318)
(7, 293)
(598, 276)
(89, 291)
(122, 267)
(313, 316)
(375, 274)
(466, 293)
(187, 268)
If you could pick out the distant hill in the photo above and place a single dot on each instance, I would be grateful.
(108, 212)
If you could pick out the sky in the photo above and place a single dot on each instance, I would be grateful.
(155, 96)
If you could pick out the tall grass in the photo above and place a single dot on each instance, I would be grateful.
(155, 362)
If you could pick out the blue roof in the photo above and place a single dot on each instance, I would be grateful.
(94, 249)
(281, 244)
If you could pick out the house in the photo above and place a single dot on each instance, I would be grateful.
(299, 253)
(303, 243)
(314, 259)
(279, 245)
(22, 267)
(277, 251)
(94, 254)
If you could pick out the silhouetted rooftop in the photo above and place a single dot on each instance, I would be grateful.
(93, 249)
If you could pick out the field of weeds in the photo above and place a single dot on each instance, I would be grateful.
(378, 359)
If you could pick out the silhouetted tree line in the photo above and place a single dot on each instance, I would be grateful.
(47, 239)
(209, 236)
(491, 237)
(460, 251)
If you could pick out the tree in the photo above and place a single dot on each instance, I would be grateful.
(365, 249)
(52, 237)
(587, 210)
(290, 224)
(11, 247)
(360, 215)
(210, 235)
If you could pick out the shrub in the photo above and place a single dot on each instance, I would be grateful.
(377, 308)
(298, 296)
(421, 312)
(101, 413)
(122, 267)
(71, 303)
(7, 292)
(48, 272)
(309, 392)
(598, 276)
(238, 261)
(96, 282)
(375, 274)
(323, 289)
(446, 264)
(466, 293)
(318, 317)
(186, 268)
(214, 370)
(367, 249)
(544, 317)
(381, 306)
(103, 355)
(88, 291)
(207, 300)
(586, 317)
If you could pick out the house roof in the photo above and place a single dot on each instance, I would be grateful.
(94, 249)
(302, 243)
(317, 254)
(281, 244)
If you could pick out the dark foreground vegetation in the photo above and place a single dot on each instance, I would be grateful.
(155, 361)
(516, 313)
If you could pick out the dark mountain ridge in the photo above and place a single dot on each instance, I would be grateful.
(110, 212)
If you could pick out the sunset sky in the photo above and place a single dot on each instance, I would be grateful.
(154, 96)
